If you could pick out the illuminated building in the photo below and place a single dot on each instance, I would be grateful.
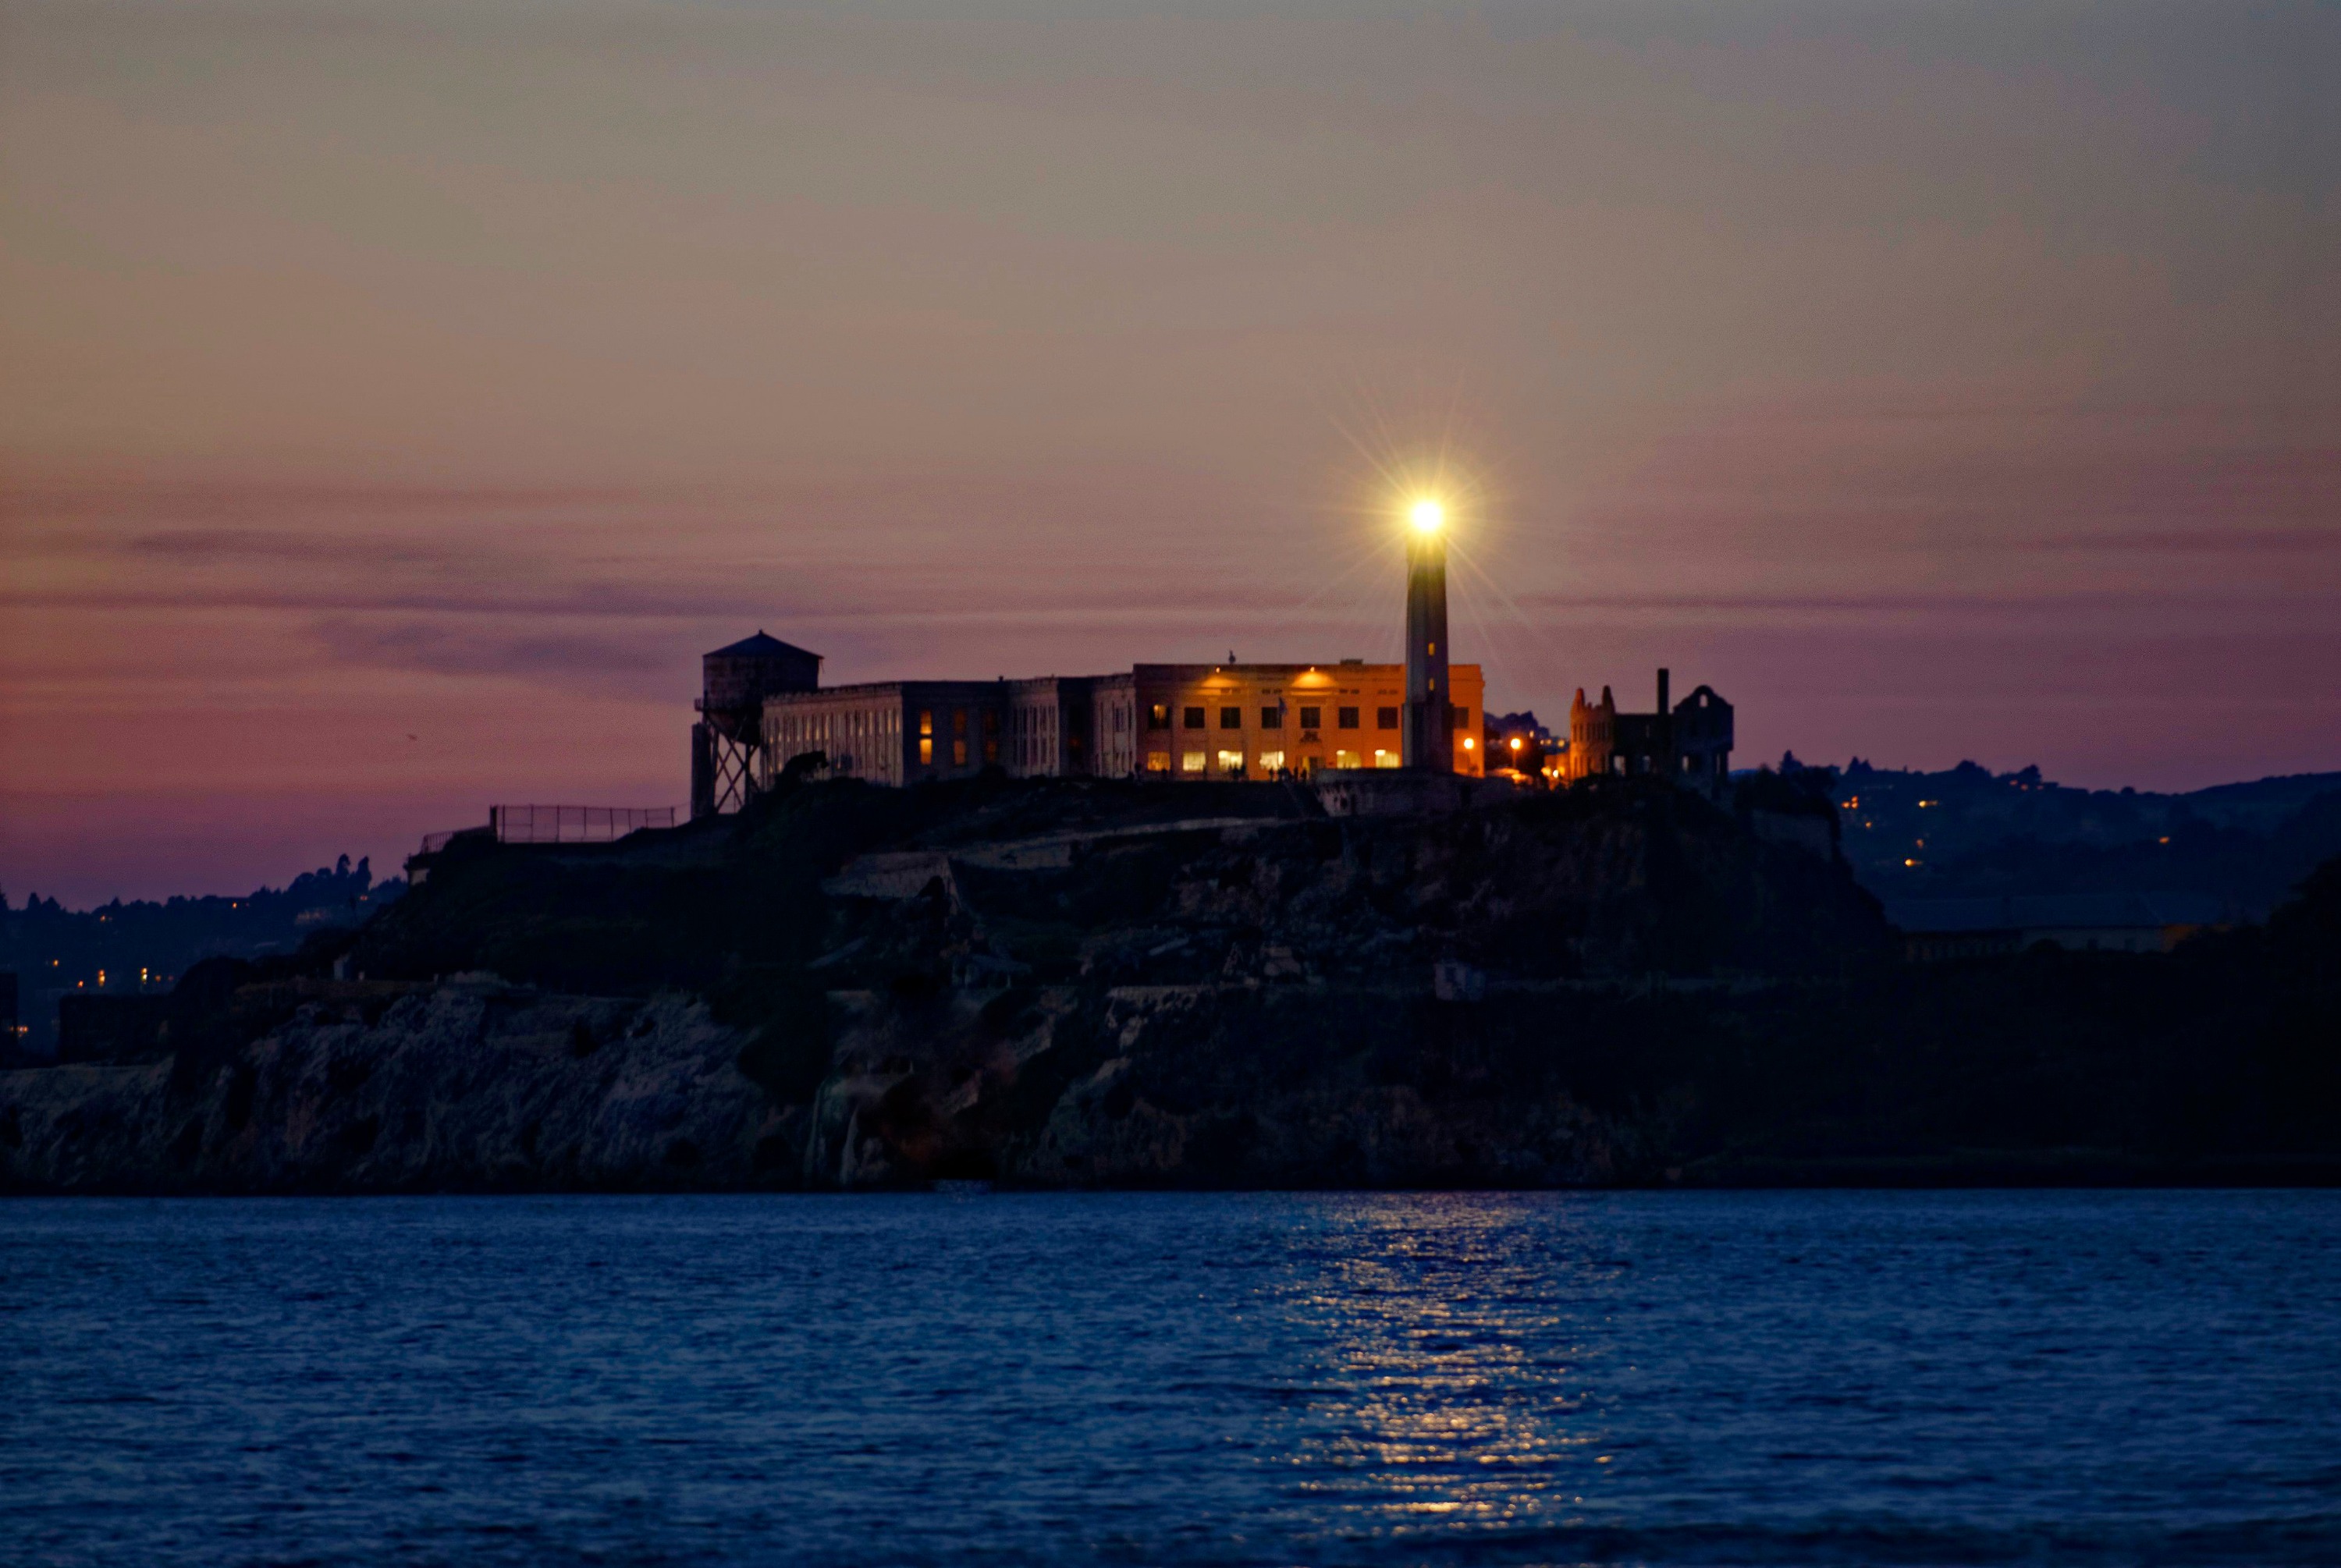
(1198, 722)
(764, 710)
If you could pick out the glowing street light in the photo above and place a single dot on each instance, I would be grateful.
(1427, 515)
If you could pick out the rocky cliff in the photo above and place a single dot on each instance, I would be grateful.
(365, 1088)
(1054, 984)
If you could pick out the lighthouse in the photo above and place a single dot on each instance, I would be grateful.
(1428, 741)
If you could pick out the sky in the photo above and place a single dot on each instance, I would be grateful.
(397, 399)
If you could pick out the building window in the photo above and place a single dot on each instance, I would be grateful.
(958, 753)
(1231, 764)
(958, 724)
(1190, 762)
(1272, 717)
(990, 748)
(1272, 762)
(1158, 762)
(1385, 719)
(1385, 759)
(1345, 718)
(1462, 717)
(992, 726)
(1192, 718)
(1312, 719)
(926, 750)
(1347, 759)
(1231, 718)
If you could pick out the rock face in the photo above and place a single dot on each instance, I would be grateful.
(1050, 985)
(389, 1089)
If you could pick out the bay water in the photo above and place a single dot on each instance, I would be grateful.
(1966, 1378)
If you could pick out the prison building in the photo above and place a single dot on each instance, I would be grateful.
(1220, 721)
(1192, 721)
(1688, 742)
(901, 731)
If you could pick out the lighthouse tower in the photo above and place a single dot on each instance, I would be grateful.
(1428, 739)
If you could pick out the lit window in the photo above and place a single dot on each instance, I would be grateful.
(1192, 718)
(1190, 762)
(1385, 759)
(1232, 763)
(926, 750)
(1345, 718)
(958, 753)
(1231, 718)
(991, 750)
(1312, 719)
(1385, 719)
(1347, 759)
(1158, 716)
(1271, 718)
(1158, 762)
(1272, 761)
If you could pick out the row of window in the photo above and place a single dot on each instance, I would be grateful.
(1266, 764)
(957, 721)
(958, 752)
(1158, 717)
(827, 730)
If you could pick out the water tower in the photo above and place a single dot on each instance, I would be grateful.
(727, 744)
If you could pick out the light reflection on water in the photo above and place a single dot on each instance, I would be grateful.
(1461, 1386)
(1660, 1377)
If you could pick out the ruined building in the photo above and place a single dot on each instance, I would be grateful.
(1688, 742)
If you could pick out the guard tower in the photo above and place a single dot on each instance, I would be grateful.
(1427, 743)
(727, 744)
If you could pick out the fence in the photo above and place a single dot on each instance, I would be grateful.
(573, 824)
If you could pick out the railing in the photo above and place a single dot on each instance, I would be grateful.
(434, 842)
(573, 824)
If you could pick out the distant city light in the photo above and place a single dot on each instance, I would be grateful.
(1427, 515)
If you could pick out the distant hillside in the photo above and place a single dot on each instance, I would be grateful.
(1968, 832)
(118, 946)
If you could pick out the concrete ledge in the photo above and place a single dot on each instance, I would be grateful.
(1406, 791)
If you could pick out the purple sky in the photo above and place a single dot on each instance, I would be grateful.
(396, 400)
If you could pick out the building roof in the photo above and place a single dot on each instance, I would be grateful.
(762, 647)
(2056, 911)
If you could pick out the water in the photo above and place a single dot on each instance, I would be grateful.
(1903, 1378)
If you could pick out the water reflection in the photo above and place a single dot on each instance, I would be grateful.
(1457, 1387)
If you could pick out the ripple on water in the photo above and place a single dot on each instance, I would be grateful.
(1758, 1378)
